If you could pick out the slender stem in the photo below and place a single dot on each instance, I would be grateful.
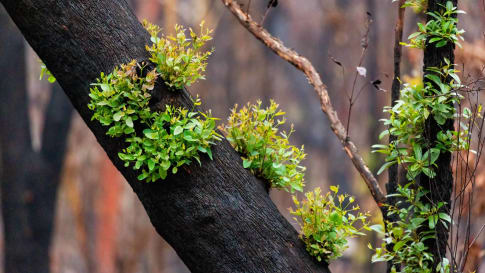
(305, 66)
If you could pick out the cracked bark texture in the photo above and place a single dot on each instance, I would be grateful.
(218, 216)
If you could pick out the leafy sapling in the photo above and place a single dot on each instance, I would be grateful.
(180, 60)
(327, 222)
(253, 131)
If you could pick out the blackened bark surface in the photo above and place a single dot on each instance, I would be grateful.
(441, 186)
(29, 179)
(218, 217)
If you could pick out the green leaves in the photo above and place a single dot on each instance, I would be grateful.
(415, 225)
(433, 99)
(179, 60)
(327, 222)
(407, 119)
(440, 30)
(253, 132)
(170, 139)
(45, 71)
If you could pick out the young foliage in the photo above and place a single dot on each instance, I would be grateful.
(327, 222)
(417, 5)
(180, 60)
(407, 118)
(253, 132)
(170, 139)
(416, 224)
(45, 71)
(436, 98)
(440, 30)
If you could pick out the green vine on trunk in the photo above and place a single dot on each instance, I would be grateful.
(435, 99)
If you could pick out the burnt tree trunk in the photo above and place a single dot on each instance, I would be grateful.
(218, 217)
(439, 187)
(29, 179)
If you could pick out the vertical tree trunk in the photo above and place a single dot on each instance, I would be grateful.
(29, 179)
(440, 187)
(393, 179)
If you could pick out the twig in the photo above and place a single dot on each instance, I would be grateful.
(395, 89)
(304, 65)
(365, 43)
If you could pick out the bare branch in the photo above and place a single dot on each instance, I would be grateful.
(304, 65)
(393, 182)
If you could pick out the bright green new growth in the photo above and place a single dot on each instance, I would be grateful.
(417, 5)
(253, 132)
(180, 60)
(45, 71)
(171, 139)
(407, 122)
(440, 30)
(327, 222)
(416, 224)
(407, 119)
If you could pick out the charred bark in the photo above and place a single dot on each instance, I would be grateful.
(218, 217)
(439, 187)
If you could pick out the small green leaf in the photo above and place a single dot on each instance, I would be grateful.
(178, 130)
(117, 116)
(246, 163)
(129, 122)
(151, 164)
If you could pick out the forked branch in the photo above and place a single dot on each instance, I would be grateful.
(305, 66)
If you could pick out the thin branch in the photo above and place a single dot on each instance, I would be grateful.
(396, 87)
(304, 65)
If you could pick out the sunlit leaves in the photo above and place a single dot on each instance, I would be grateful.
(180, 59)
(440, 30)
(169, 140)
(45, 72)
(327, 222)
(436, 99)
(409, 234)
(253, 132)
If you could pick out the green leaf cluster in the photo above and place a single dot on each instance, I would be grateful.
(407, 118)
(327, 222)
(164, 141)
(436, 98)
(416, 224)
(180, 59)
(417, 5)
(45, 72)
(440, 30)
(253, 131)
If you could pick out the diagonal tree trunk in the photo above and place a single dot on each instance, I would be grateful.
(218, 217)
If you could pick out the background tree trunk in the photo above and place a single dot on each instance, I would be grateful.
(441, 186)
(29, 179)
(217, 217)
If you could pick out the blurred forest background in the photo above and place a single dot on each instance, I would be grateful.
(101, 227)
